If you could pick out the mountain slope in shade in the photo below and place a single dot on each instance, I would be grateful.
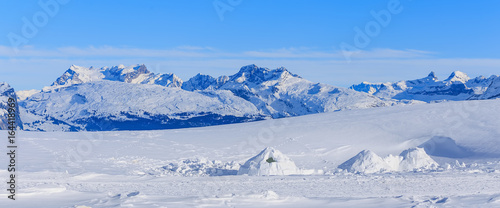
(458, 86)
(492, 91)
(6, 92)
(204, 82)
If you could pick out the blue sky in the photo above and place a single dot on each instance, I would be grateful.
(190, 37)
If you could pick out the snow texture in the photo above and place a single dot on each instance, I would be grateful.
(445, 147)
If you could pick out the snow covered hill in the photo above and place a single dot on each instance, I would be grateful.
(458, 86)
(108, 105)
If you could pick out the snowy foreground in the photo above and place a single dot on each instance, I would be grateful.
(210, 166)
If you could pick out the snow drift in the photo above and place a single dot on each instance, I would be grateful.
(445, 147)
(365, 162)
(409, 160)
(416, 159)
(269, 162)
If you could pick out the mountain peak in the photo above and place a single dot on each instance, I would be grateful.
(138, 68)
(252, 68)
(137, 73)
(257, 75)
(78, 69)
(199, 82)
(458, 76)
(432, 75)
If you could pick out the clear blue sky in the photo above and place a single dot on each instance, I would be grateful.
(187, 37)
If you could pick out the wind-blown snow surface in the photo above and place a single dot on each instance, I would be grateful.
(172, 168)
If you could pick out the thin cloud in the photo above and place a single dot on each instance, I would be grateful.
(204, 52)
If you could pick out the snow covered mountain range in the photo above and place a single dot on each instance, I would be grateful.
(458, 86)
(133, 98)
(115, 98)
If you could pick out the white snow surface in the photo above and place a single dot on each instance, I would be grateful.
(180, 167)
(267, 163)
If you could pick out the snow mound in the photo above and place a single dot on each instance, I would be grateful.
(416, 159)
(269, 162)
(365, 162)
(445, 147)
(413, 159)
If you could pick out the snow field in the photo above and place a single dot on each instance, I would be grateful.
(182, 167)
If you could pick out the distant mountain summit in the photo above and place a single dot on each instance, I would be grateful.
(137, 74)
(458, 86)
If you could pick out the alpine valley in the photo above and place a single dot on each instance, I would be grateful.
(133, 98)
